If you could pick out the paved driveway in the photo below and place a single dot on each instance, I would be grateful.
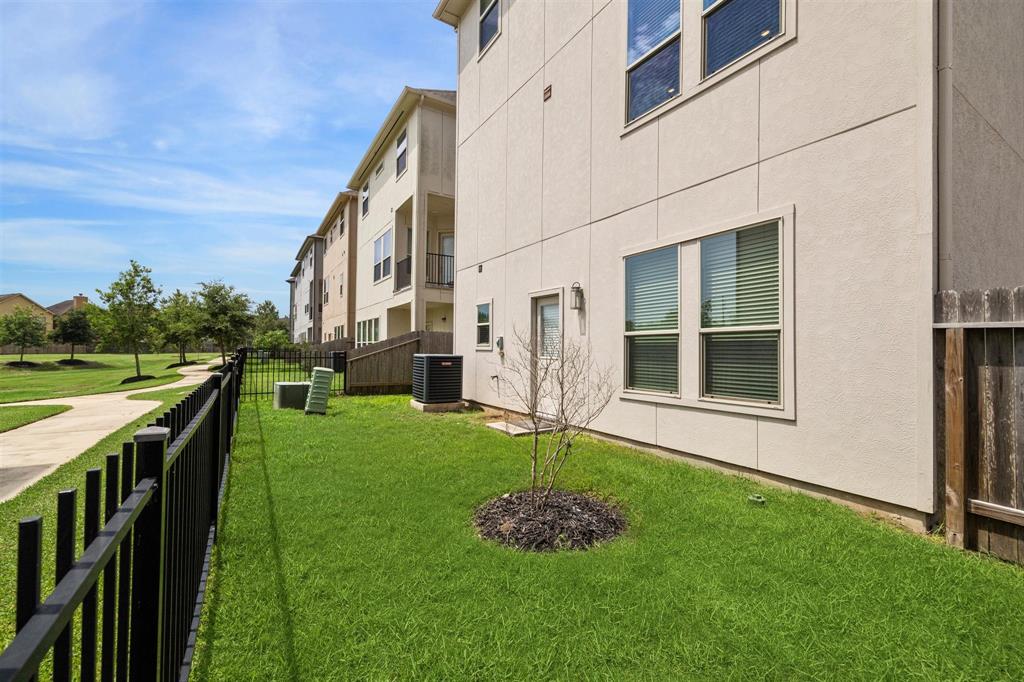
(34, 450)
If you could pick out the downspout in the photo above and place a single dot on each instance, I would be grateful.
(944, 143)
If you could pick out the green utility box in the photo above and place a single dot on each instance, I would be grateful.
(319, 390)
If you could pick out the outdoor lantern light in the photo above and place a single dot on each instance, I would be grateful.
(576, 298)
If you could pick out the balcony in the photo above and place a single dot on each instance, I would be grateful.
(440, 270)
(403, 273)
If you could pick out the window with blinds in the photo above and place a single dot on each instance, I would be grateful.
(732, 28)
(549, 330)
(652, 321)
(401, 149)
(652, 54)
(740, 314)
(382, 256)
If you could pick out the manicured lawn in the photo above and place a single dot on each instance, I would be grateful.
(103, 374)
(347, 552)
(41, 499)
(13, 417)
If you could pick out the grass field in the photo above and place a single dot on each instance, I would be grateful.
(347, 552)
(102, 374)
(14, 417)
(41, 499)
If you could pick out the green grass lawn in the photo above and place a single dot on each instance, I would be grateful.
(347, 552)
(41, 499)
(103, 374)
(14, 417)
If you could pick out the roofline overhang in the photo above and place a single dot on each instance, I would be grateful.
(336, 205)
(450, 11)
(306, 243)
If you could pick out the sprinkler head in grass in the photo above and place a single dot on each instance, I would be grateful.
(756, 499)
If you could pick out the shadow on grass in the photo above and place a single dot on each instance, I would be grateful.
(288, 630)
(58, 366)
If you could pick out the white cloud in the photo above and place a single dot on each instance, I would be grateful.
(57, 244)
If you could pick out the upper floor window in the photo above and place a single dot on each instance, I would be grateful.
(341, 226)
(382, 256)
(402, 151)
(740, 314)
(732, 28)
(652, 54)
(365, 196)
(490, 18)
(652, 321)
(380, 169)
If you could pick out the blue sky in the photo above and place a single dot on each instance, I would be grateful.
(203, 139)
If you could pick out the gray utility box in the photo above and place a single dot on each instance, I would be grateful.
(290, 394)
(436, 378)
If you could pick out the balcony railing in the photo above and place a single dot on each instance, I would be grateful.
(440, 270)
(403, 273)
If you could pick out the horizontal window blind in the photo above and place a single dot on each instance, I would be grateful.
(652, 290)
(742, 365)
(740, 277)
(653, 363)
(654, 81)
(650, 22)
(550, 332)
(735, 28)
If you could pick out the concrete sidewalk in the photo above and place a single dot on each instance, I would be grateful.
(34, 450)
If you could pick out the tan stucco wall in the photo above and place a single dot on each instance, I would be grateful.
(340, 268)
(8, 306)
(983, 243)
(836, 123)
(400, 202)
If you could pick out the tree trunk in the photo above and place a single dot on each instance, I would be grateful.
(181, 354)
(223, 357)
(72, 351)
(138, 365)
(21, 358)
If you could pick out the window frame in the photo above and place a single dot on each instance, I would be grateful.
(715, 6)
(705, 332)
(364, 198)
(482, 49)
(677, 332)
(401, 151)
(690, 372)
(650, 54)
(385, 258)
(489, 324)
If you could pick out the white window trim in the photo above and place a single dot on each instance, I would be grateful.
(364, 199)
(545, 293)
(689, 320)
(399, 148)
(490, 326)
(692, 81)
(376, 239)
(481, 51)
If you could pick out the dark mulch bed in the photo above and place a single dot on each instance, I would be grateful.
(22, 364)
(132, 380)
(180, 364)
(69, 362)
(568, 521)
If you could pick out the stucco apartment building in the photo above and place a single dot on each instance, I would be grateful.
(306, 296)
(406, 199)
(757, 199)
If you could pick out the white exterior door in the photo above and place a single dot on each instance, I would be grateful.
(547, 344)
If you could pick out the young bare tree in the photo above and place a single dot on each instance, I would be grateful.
(561, 392)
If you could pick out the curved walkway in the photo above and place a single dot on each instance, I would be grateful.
(32, 451)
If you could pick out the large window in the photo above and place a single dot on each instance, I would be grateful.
(402, 159)
(367, 332)
(490, 21)
(483, 324)
(365, 197)
(382, 256)
(732, 28)
(740, 314)
(652, 54)
(652, 321)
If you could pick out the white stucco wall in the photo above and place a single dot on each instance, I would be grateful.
(835, 123)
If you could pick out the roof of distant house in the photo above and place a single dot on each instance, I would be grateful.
(62, 307)
(6, 296)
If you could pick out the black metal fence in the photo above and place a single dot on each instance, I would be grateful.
(440, 270)
(148, 562)
(264, 368)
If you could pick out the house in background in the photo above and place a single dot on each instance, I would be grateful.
(338, 231)
(10, 302)
(757, 200)
(406, 200)
(307, 291)
(75, 303)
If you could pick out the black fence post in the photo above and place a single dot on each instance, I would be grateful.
(67, 502)
(148, 558)
(214, 448)
(30, 565)
(93, 480)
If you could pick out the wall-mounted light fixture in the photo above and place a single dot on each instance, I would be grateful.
(576, 296)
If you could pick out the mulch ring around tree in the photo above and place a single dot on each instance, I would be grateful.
(68, 362)
(22, 364)
(569, 520)
(132, 380)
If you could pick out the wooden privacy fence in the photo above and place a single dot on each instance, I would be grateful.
(386, 367)
(980, 434)
(140, 581)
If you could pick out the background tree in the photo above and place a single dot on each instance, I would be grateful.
(560, 396)
(267, 318)
(131, 313)
(275, 339)
(225, 315)
(74, 328)
(22, 328)
(180, 317)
